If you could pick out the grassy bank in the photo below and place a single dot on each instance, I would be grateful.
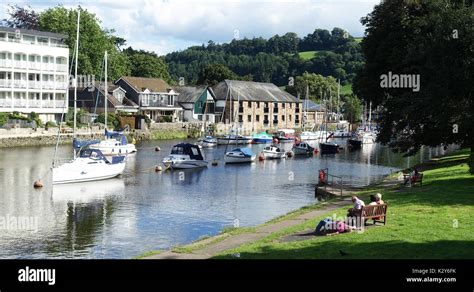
(433, 221)
(168, 134)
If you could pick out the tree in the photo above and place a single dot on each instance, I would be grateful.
(147, 64)
(93, 40)
(215, 73)
(21, 17)
(352, 108)
(432, 41)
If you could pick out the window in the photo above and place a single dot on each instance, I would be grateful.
(258, 104)
(29, 39)
(289, 118)
(275, 119)
(170, 100)
(241, 103)
(241, 118)
(249, 104)
(283, 118)
(257, 118)
(249, 118)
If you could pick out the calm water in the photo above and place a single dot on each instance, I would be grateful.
(144, 210)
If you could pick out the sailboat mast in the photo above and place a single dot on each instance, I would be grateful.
(370, 116)
(105, 88)
(75, 74)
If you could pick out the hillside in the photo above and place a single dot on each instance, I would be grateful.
(329, 53)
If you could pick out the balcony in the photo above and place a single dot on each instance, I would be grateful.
(5, 63)
(20, 64)
(48, 66)
(19, 83)
(5, 83)
(34, 84)
(61, 85)
(156, 103)
(34, 65)
(61, 67)
(6, 102)
(48, 85)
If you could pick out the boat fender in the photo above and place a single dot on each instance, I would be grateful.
(38, 184)
(275, 140)
(214, 163)
(261, 157)
(157, 148)
(316, 151)
(158, 168)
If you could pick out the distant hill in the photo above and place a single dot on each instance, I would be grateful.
(329, 53)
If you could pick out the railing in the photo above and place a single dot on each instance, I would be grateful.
(61, 67)
(5, 102)
(5, 83)
(4, 39)
(158, 103)
(332, 183)
(48, 66)
(19, 83)
(5, 63)
(34, 103)
(34, 84)
(61, 85)
(48, 85)
(34, 65)
(19, 64)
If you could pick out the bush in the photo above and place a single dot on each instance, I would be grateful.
(50, 124)
(165, 119)
(3, 118)
(471, 162)
(112, 120)
(35, 117)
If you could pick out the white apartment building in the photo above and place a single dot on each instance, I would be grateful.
(33, 72)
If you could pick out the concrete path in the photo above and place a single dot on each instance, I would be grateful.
(215, 245)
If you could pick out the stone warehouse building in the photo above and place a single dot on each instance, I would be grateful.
(257, 106)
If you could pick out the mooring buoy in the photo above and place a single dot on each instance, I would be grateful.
(158, 168)
(157, 148)
(38, 184)
(214, 163)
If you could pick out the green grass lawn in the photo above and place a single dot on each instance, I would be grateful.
(434, 221)
(308, 55)
(358, 39)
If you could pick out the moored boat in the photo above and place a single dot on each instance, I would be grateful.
(273, 152)
(240, 155)
(208, 142)
(114, 144)
(285, 135)
(302, 148)
(262, 138)
(185, 155)
(328, 147)
(234, 139)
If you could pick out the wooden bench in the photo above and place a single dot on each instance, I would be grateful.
(378, 213)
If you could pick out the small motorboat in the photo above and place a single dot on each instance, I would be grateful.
(234, 139)
(306, 136)
(369, 138)
(262, 138)
(185, 156)
(208, 142)
(285, 135)
(302, 148)
(342, 134)
(240, 155)
(354, 143)
(328, 147)
(273, 152)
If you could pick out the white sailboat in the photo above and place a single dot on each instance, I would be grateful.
(115, 143)
(87, 164)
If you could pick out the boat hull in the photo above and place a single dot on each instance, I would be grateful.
(82, 170)
(273, 155)
(328, 148)
(185, 164)
(231, 159)
(225, 141)
(262, 140)
(354, 143)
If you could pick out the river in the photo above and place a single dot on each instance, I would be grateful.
(146, 210)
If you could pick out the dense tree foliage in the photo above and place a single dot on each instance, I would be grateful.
(274, 60)
(147, 64)
(433, 40)
(215, 73)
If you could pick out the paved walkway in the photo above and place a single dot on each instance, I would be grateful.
(211, 248)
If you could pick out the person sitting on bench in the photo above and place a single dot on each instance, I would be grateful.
(412, 176)
(358, 204)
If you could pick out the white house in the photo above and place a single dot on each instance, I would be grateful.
(33, 72)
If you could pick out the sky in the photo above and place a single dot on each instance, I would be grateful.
(164, 26)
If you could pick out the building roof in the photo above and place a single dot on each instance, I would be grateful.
(311, 106)
(190, 94)
(93, 94)
(251, 91)
(33, 32)
(142, 83)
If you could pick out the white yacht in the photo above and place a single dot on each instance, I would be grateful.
(273, 152)
(114, 144)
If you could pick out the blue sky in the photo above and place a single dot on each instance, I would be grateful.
(169, 25)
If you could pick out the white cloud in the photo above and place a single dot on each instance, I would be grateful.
(168, 25)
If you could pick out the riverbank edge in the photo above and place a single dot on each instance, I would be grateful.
(199, 248)
(66, 139)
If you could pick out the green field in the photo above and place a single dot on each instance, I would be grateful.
(430, 222)
(359, 39)
(307, 55)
